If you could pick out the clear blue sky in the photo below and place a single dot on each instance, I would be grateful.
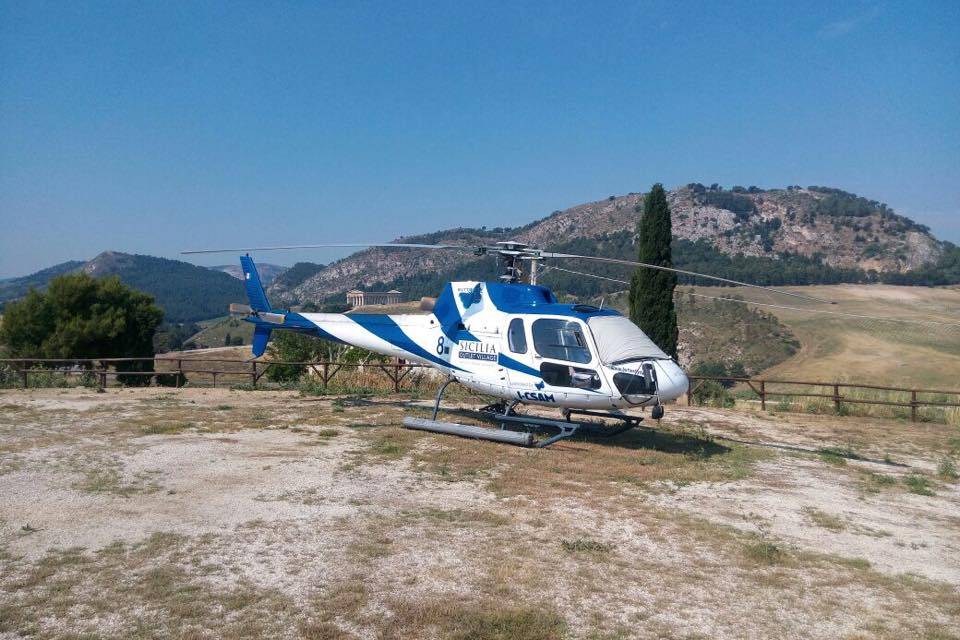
(154, 127)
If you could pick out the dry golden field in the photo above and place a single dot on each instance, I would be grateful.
(837, 348)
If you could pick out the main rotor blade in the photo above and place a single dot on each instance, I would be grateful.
(357, 245)
(548, 254)
(550, 267)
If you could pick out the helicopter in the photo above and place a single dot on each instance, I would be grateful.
(510, 339)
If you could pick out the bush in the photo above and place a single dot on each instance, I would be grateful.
(712, 393)
(138, 366)
(171, 379)
(9, 377)
(947, 470)
(44, 378)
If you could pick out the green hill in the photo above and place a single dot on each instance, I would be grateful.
(186, 292)
(13, 288)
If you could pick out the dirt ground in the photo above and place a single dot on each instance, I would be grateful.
(214, 513)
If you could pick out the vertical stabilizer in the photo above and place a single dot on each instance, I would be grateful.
(251, 279)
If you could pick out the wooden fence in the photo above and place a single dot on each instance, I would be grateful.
(174, 371)
(837, 395)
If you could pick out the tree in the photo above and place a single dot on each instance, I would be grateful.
(651, 290)
(79, 316)
(227, 340)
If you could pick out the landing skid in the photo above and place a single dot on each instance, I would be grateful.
(505, 414)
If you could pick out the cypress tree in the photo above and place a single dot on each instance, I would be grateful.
(651, 290)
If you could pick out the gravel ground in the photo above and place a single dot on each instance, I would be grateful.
(218, 513)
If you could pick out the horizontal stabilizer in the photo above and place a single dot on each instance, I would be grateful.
(272, 318)
(244, 309)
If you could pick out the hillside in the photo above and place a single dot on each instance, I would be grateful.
(865, 350)
(793, 235)
(213, 333)
(743, 340)
(268, 272)
(13, 288)
(186, 292)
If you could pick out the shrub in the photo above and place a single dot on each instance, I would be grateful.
(171, 379)
(711, 392)
(918, 484)
(947, 469)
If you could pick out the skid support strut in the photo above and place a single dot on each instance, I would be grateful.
(443, 387)
(504, 414)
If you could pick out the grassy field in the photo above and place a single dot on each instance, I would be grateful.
(836, 348)
(216, 513)
(212, 332)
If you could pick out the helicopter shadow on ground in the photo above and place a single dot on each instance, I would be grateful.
(664, 442)
(636, 438)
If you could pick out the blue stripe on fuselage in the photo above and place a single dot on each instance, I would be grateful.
(385, 328)
(510, 363)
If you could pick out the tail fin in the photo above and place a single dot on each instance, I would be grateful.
(255, 292)
(258, 302)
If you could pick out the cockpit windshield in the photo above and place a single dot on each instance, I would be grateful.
(619, 340)
(561, 340)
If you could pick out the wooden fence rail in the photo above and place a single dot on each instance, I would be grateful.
(398, 369)
(760, 388)
(104, 368)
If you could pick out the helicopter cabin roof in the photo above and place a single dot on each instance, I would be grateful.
(529, 298)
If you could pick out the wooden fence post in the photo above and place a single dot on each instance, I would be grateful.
(253, 373)
(913, 405)
(836, 398)
(763, 395)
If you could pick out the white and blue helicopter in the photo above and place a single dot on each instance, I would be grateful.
(508, 339)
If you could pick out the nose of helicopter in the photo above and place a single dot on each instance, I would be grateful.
(672, 382)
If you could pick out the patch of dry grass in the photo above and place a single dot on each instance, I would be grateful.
(642, 458)
(73, 587)
(481, 620)
(824, 520)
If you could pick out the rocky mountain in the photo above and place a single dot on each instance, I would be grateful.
(267, 271)
(823, 229)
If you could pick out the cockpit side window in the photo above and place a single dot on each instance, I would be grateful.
(516, 336)
(560, 340)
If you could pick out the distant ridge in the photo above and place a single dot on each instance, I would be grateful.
(13, 288)
(795, 235)
(267, 271)
(186, 292)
